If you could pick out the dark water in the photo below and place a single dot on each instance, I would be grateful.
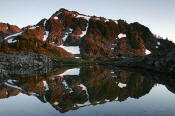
(89, 91)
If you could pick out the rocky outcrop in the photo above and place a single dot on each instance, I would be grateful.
(7, 29)
(161, 62)
(24, 64)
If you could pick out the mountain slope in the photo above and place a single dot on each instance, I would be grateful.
(67, 33)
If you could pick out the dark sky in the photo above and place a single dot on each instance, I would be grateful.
(158, 15)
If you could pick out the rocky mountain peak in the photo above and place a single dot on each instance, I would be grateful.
(90, 37)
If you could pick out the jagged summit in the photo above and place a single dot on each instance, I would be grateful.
(69, 33)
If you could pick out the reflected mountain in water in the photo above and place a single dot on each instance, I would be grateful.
(72, 88)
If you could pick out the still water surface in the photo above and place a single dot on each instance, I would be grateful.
(88, 91)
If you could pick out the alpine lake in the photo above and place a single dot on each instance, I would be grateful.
(88, 91)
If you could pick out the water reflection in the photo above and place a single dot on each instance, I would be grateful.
(72, 88)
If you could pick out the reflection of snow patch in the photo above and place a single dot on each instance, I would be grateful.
(74, 71)
(157, 46)
(158, 43)
(84, 88)
(67, 86)
(84, 104)
(121, 85)
(55, 103)
(121, 35)
(147, 52)
(116, 99)
(106, 100)
(46, 85)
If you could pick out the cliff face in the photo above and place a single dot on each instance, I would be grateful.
(68, 32)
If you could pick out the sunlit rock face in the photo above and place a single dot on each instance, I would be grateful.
(90, 37)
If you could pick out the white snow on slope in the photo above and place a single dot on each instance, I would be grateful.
(83, 16)
(55, 18)
(14, 35)
(121, 85)
(10, 38)
(147, 52)
(56, 103)
(71, 49)
(84, 32)
(34, 27)
(46, 35)
(107, 20)
(46, 86)
(45, 23)
(121, 35)
(116, 22)
(67, 34)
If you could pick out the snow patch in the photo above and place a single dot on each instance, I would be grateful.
(13, 86)
(34, 27)
(83, 16)
(11, 81)
(67, 34)
(106, 100)
(97, 18)
(45, 23)
(158, 43)
(121, 35)
(77, 57)
(84, 88)
(84, 32)
(46, 86)
(46, 35)
(67, 86)
(13, 35)
(121, 85)
(85, 104)
(71, 49)
(147, 52)
(74, 71)
(56, 18)
(116, 99)
(107, 20)
(116, 22)
(55, 103)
